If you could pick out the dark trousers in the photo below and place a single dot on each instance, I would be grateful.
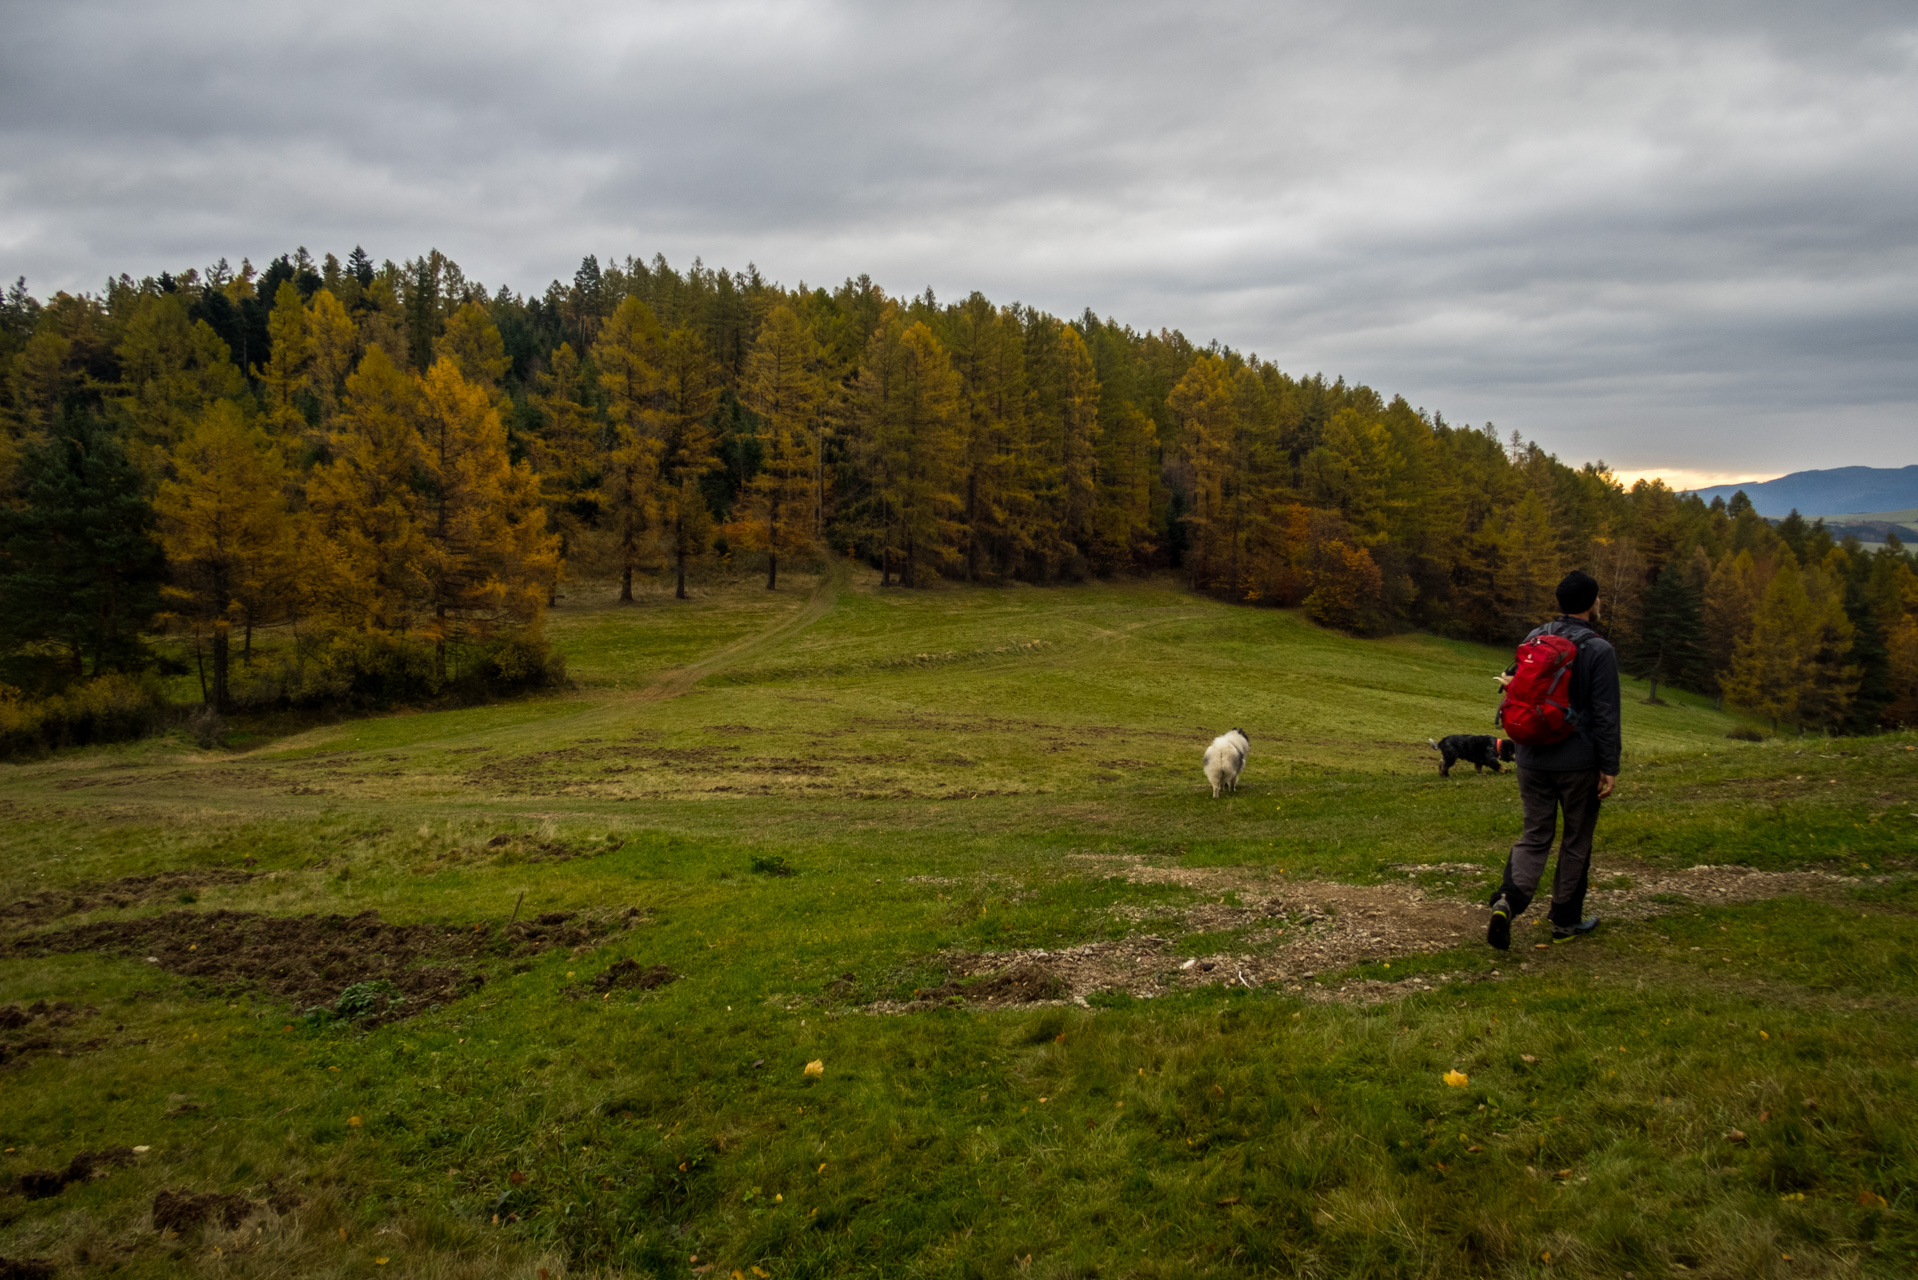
(1544, 795)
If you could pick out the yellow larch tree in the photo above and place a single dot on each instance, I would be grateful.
(1203, 406)
(333, 342)
(367, 513)
(687, 450)
(783, 387)
(488, 557)
(228, 536)
(285, 374)
(473, 343)
(171, 369)
(908, 418)
(626, 354)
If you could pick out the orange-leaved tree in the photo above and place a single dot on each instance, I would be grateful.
(783, 387)
(907, 415)
(690, 382)
(627, 357)
(228, 536)
(488, 558)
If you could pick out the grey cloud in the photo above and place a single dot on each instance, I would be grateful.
(1677, 238)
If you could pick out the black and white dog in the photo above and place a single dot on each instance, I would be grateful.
(1480, 750)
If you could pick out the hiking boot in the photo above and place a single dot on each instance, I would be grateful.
(1561, 933)
(1499, 931)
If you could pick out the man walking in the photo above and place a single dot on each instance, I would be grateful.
(1572, 775)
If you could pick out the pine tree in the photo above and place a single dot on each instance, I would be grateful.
(1671, 637)
(782, 387)
(79, 568)
(688, 453)
(228, 535)
(627, 355)
(908, 423)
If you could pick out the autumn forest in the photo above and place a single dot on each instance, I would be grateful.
(340, 483)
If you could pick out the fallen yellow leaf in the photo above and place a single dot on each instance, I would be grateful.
(817, 1067)
(1457, 1079)
(379, 1262)
(352, 1122)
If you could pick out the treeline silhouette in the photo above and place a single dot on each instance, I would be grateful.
(390, 471)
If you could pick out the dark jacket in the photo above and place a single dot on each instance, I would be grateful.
(1594, 743)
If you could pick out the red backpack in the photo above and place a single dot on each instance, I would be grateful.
(1537, 708)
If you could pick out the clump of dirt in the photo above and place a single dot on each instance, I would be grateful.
(512, 848)
(1019, 984)
(39, 1184)
(311, 960)
(51, 1016)
(181, 1211)
(127, 891)
(626, 975)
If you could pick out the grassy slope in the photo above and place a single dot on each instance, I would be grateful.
(985, 738)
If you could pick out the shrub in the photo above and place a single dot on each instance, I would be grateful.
(374, 669)
(108, 708)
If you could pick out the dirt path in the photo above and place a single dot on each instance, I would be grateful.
(1293, 932)
(680, 680)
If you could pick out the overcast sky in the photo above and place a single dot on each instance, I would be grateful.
(1676, 241)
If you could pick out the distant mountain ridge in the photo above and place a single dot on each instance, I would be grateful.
(1839, 491)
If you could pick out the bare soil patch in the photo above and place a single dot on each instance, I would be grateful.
(38, 1184)
(182, 1211)
(311, 960)
(630, 975)
(38, 1025)
(1293, 932)
(128, 891)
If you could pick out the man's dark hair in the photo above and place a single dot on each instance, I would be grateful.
(1578, 592)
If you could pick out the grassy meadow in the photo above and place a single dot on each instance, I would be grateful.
(964, 971)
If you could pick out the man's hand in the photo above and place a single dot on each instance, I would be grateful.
(1606, 781)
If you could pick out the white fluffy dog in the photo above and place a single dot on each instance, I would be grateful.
(1225, 760)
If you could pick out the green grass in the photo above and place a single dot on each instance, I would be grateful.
(944, 774)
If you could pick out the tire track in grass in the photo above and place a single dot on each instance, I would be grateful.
(671, 684)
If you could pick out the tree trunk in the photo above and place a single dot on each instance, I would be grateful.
(439, 644)
(679, 593)
(972, 524)
(626, 584)
(221, 642)
(772, 571)
(885, 566)
(1653, 695)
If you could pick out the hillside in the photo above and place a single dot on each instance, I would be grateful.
(842, 929)
(1836, 491)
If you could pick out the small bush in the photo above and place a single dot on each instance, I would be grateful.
(366, 670)
(1744, 734)
(770, 865)
(206, 726)
(108, 708)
